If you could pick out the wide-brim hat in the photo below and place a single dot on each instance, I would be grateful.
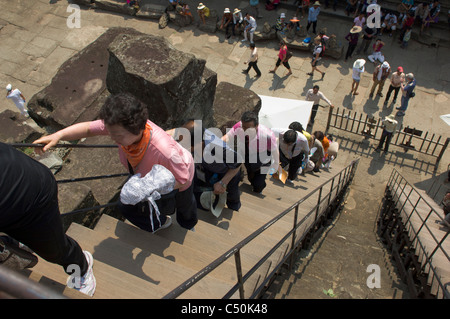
(390, 117)
(227, 10)
(236, 10)
(356, 29)
(200, 6)
(317, 3)
(294, 19)
(208, 201)
(359, 63)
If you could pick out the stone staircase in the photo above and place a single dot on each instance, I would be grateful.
(130, 263)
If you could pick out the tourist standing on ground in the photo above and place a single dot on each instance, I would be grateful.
(282, 59)
(380, 74)
(254, 4)
(358, 68)
(389, 126)
(29, 213)
(369, 33)
(407, 93)
(17, 97)
(142, 144)
(250, 27)
(317, 56)
(313, 14)
(252, 61)
(397, 79)
(352, 38)
(315, 96)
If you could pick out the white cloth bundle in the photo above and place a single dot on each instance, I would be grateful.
(159, 181)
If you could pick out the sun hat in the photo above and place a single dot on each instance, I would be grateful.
(207, 200)
(356, 29)
(236, 10)
(294, 19)
(317, 3)
(227, 10)
(9, 87)
(390, 117)
(359, 63)
(282, 15)
(200, 6)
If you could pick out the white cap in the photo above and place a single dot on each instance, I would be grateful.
(282, 15)
(9, 87)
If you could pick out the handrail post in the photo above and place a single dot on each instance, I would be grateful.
(318, 203)
(237, 259)
(330, 114)
(444, 147)
(294, 231)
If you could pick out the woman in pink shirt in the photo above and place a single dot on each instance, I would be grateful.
(142, 144)
(282, 58)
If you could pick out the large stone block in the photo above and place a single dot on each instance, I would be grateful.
(230, 102)
(76, 86)
(15, 130)
(173, 84)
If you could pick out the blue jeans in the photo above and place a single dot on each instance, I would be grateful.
(404, 104)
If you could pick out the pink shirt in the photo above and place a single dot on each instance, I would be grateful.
(163, 150)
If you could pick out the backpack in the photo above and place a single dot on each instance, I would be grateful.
(288, 54)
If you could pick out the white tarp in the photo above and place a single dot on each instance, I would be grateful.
(279, 112)
(446, 118)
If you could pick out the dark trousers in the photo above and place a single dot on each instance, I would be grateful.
(364, 46)
(314, 109)
(42, 231)
(351, 48)
(386, 140)
(254, 65)
(314, 24)
(294, 164)
(227, 30)
(391, 88)
(233, 194)
(285, 63)
(183, 202)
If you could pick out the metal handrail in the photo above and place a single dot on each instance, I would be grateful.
(235, 250)
(15, 285)
(438, 246)
(377, 126)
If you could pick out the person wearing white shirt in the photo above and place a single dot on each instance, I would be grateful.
(250, 27)
(315, 95)
(313, 13)
(237, 20)
(358, 68)
(252, 61)
(17, 97)
(294, 149)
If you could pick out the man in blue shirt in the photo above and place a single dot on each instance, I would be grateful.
(313, 13)
(407, 93)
